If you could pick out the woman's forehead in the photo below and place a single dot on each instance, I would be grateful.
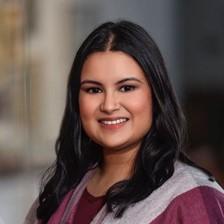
(111, 65)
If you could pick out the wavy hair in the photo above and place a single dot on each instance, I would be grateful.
(161, 147)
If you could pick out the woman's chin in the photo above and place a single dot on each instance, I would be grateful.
(119, 147)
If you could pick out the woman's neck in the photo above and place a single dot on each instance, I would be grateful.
(117, 166)
(118, 163)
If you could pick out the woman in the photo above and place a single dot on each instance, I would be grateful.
(119, 151)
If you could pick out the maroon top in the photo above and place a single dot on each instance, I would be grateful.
(88, 207)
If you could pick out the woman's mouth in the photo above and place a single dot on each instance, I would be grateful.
(113, 123)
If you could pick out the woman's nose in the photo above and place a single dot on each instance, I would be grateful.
(110, 103)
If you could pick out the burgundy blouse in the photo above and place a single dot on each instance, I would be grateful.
(88, 207)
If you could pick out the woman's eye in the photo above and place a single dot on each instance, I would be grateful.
(93, 90)
(127, 88)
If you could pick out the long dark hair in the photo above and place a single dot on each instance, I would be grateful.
(161, 146)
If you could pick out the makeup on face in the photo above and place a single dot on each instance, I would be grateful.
(115, 100)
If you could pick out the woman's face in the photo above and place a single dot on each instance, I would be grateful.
(115, 100)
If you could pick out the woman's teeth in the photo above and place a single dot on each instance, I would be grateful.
(118, 121)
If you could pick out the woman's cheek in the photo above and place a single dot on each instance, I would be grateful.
(141, 104)
(87, 108)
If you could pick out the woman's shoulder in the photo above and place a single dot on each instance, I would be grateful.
(186, 177)
(185, 180)
(195, 198)
(31, 216)
(189, 195)
(199, 205)
(190, 186)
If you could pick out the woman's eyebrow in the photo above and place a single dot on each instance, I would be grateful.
(128, 79)
(88, 81)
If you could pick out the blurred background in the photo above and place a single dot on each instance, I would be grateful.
(38, 41)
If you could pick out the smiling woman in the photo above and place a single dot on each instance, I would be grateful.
(112, 105)
(120, 152)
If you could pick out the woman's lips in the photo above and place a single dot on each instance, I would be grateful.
(113, 123)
